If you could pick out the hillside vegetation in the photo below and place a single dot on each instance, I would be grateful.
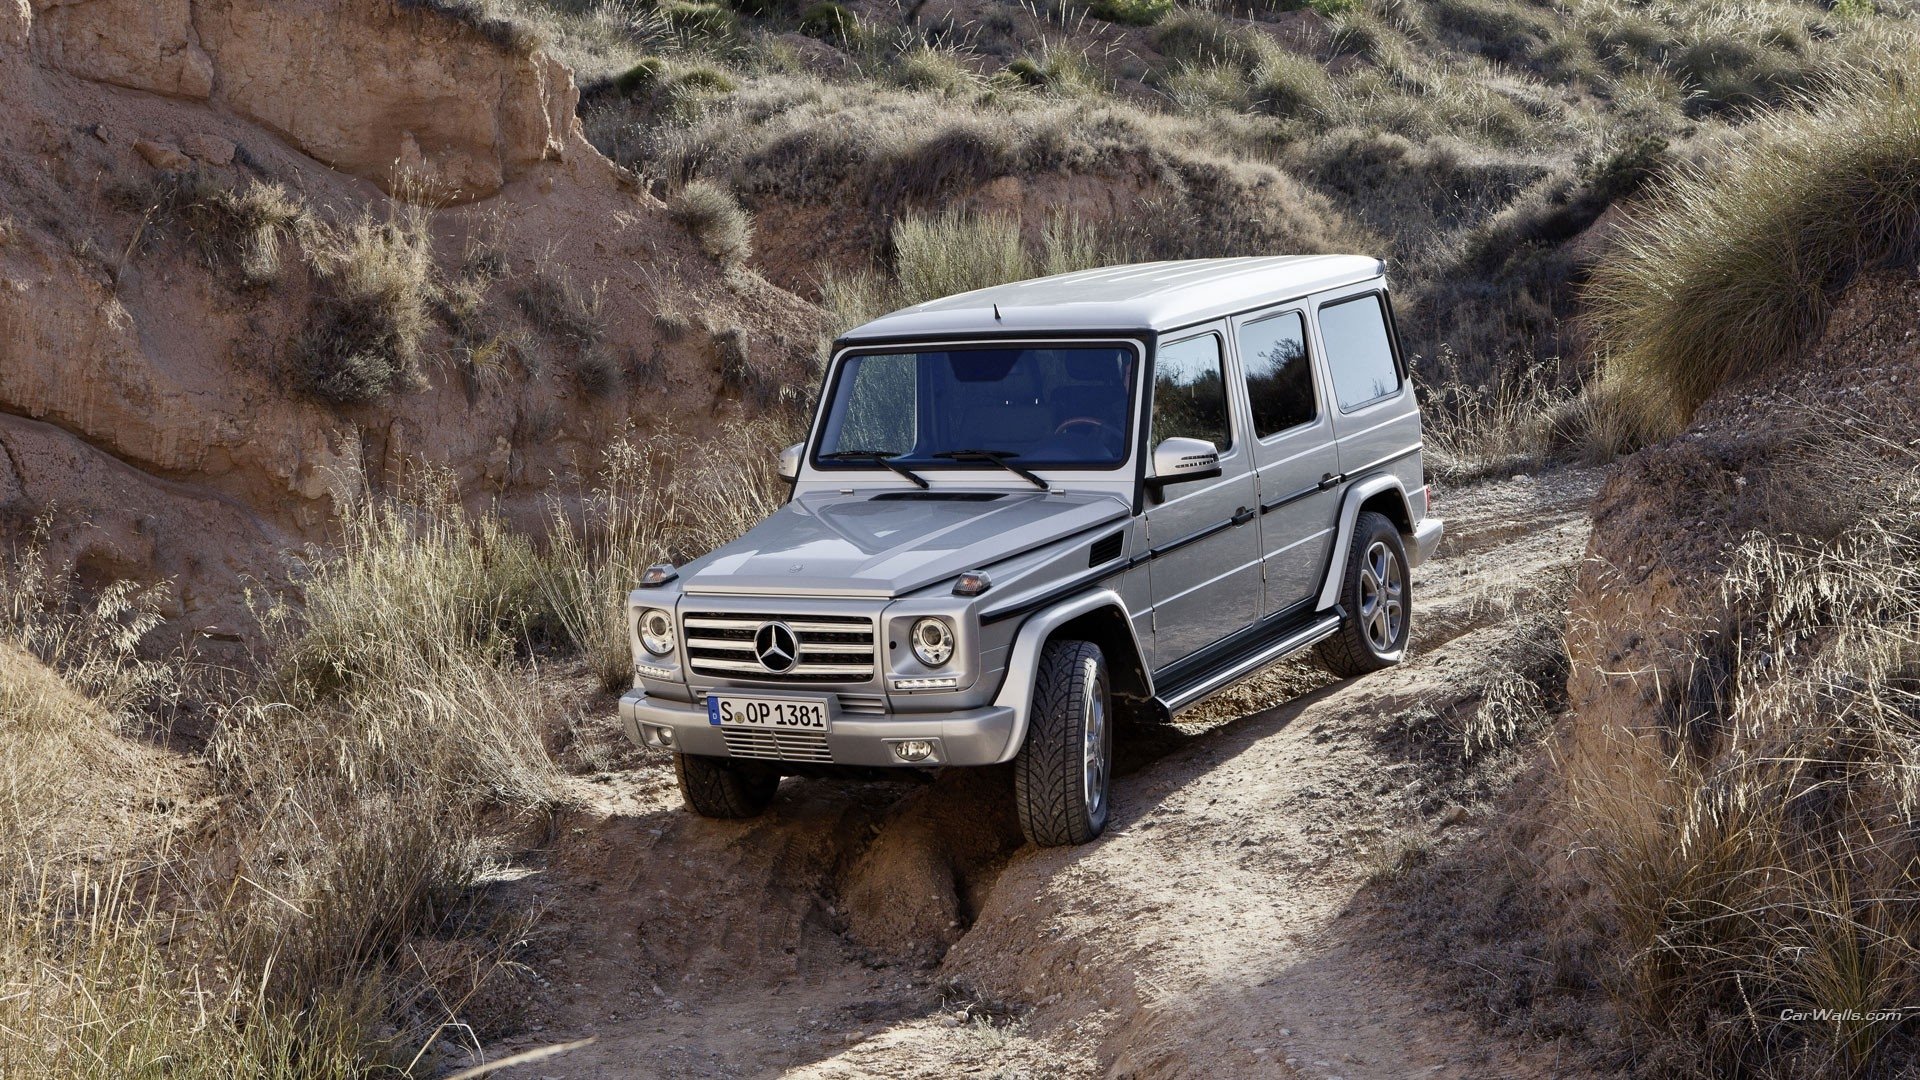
(1721, 854)
(260, 844)
(1474, 143)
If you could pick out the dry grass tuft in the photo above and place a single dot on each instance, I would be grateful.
(237, 230)
(653, 499)
(377, 286)
(715, 219)
(1732, 267)
(1752, 844)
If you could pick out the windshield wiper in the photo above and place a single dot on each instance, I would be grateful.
(998, 457)
(878, 458)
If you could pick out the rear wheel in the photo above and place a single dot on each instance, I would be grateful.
(1378, 598)
(724, 788)
(1063, 775)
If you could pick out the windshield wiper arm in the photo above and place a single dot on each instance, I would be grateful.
(879, 458)
(998, 457)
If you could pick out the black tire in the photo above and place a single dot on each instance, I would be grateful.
(1064, 796)
(1372, 636)
(722, 788)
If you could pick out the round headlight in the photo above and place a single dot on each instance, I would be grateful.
(933, 641)
(656, 631)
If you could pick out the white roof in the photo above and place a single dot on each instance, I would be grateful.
(1140, 296)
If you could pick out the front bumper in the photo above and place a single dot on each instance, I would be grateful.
(1426, 537)
(967, 737)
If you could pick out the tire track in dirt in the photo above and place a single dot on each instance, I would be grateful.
(1202, 935)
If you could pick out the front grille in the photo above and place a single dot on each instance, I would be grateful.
(833, 648)
(777, 745)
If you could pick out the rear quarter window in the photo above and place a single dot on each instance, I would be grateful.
(1359, 351)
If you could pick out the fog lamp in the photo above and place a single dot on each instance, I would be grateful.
(913, 750)
(666, 736)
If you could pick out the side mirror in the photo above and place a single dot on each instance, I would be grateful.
(1176, 461)
(790, 462)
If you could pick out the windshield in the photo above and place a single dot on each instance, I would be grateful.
(1056, 407)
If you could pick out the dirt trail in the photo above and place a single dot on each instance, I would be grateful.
(899, 930)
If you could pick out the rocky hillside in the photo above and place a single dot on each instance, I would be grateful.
(256, 259)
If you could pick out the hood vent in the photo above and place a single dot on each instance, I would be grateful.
(938, 496)
(1106, 549)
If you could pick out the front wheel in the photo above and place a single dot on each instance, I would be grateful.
(1378, 598)
(1063, 775)
(723, 788)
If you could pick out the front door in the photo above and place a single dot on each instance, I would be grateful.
(1205, 572)
(1293, 451)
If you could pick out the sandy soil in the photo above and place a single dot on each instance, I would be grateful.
(903, 930)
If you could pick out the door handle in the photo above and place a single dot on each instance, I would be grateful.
(1330, 480)
(1243, 515)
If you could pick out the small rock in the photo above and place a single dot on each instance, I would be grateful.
(211, 149)
(162, 156)
(948, 1021)
(1453, 815)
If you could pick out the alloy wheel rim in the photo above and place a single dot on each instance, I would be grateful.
(1382, 597)
(1093, 744)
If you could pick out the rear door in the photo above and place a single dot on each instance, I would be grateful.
(1375, 417)
(1293, 450)
(1205, 570)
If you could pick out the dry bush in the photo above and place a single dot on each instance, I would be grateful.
(715, 219)
(377, 285)
(883, 153)
(576, 320)
(1752, 837)
(237, 230)
(658, 498)
(1732, 267)
(956, 251)
(940, 71)
(1473, 430)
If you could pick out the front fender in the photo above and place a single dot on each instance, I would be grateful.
(1023, 660)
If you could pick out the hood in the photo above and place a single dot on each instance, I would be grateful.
(891, 543)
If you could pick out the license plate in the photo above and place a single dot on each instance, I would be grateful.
(757, 712)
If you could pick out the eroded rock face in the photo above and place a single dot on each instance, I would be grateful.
(371, 88)
(143, 44)
(16, 20)
(380, 92)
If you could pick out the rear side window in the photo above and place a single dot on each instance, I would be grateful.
(1359, 352)
(1279, 378)
(1190, 392)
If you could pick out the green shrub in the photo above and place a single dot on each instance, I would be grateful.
(1204, 38)
(1202, 88)
(924, 67)
(1130, 12)
(830, 21)
(1292, 85)
(700, 18)
(1731, 268)
(643, 75)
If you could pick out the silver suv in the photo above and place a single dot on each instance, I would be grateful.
(1026, 512)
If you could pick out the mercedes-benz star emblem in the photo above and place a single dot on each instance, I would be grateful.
(776, 646)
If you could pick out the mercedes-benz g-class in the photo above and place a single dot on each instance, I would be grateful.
(1025, 512)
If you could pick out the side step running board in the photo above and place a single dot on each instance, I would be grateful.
(1206, 683)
